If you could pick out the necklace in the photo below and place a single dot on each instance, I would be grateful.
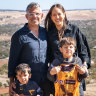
(60, 33)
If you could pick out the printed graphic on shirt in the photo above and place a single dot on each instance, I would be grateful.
(67, 83)
(31, 92)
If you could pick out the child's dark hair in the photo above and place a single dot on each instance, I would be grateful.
(68, 41)
(22, 68)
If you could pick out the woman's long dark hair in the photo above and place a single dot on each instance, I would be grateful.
(48, 22)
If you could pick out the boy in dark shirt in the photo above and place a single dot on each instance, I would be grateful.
(25, 87)
(67, 71)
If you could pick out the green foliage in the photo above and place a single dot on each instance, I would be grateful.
(4, 69)
(4, 95)
(9, 29)
(92, 74)
(0, 84)
(88, 27)
(93, 54)
(8, 82)
(4, 49)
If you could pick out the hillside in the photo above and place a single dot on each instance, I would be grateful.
(17, 17)
(10, 21)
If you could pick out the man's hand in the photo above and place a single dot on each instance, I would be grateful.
(19, 95)
(16, 95)
(11, 85)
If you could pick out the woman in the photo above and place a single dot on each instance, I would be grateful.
(58, 26)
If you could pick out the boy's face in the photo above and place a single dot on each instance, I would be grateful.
(67, 50)
(23, 77)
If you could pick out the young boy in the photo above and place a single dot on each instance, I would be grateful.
(25, 87)
(67, 70)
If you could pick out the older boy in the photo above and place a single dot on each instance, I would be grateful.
(67, 71)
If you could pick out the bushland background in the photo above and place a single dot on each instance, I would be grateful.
(12, 20)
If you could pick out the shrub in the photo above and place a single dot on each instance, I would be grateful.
(0, 84)
(4, 69)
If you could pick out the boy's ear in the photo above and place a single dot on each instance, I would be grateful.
(17, 77)
(29, 75)
(60, 49)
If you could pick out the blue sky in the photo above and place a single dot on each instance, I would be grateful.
(46, 4)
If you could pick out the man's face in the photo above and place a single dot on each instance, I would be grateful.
(34, 16)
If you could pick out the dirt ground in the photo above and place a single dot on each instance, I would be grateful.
(91, 90)
(5, 38)
(3, 61)
(4, 90)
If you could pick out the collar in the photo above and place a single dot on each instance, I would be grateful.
(69, 26)
(28, 30)
(66, 60)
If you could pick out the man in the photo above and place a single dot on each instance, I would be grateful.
(29, 45)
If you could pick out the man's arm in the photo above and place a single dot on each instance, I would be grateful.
(11, 85)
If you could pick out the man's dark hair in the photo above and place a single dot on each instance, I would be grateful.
(32, 5)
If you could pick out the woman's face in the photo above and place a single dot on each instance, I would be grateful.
(57, 17)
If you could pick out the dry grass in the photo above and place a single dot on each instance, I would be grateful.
(5, 38)
(81, 15)
(12, 17)
(16, 17)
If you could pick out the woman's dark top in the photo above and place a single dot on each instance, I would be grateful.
(82, 50)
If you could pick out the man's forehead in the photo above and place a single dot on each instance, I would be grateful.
(37, 9)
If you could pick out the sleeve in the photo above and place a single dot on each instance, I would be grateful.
(82, 49)
(49, 50)
(38, 90)
(78, 61)
(17, 89)
(81, 76)
(53, 64)
(15, 49)
(88, 60)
